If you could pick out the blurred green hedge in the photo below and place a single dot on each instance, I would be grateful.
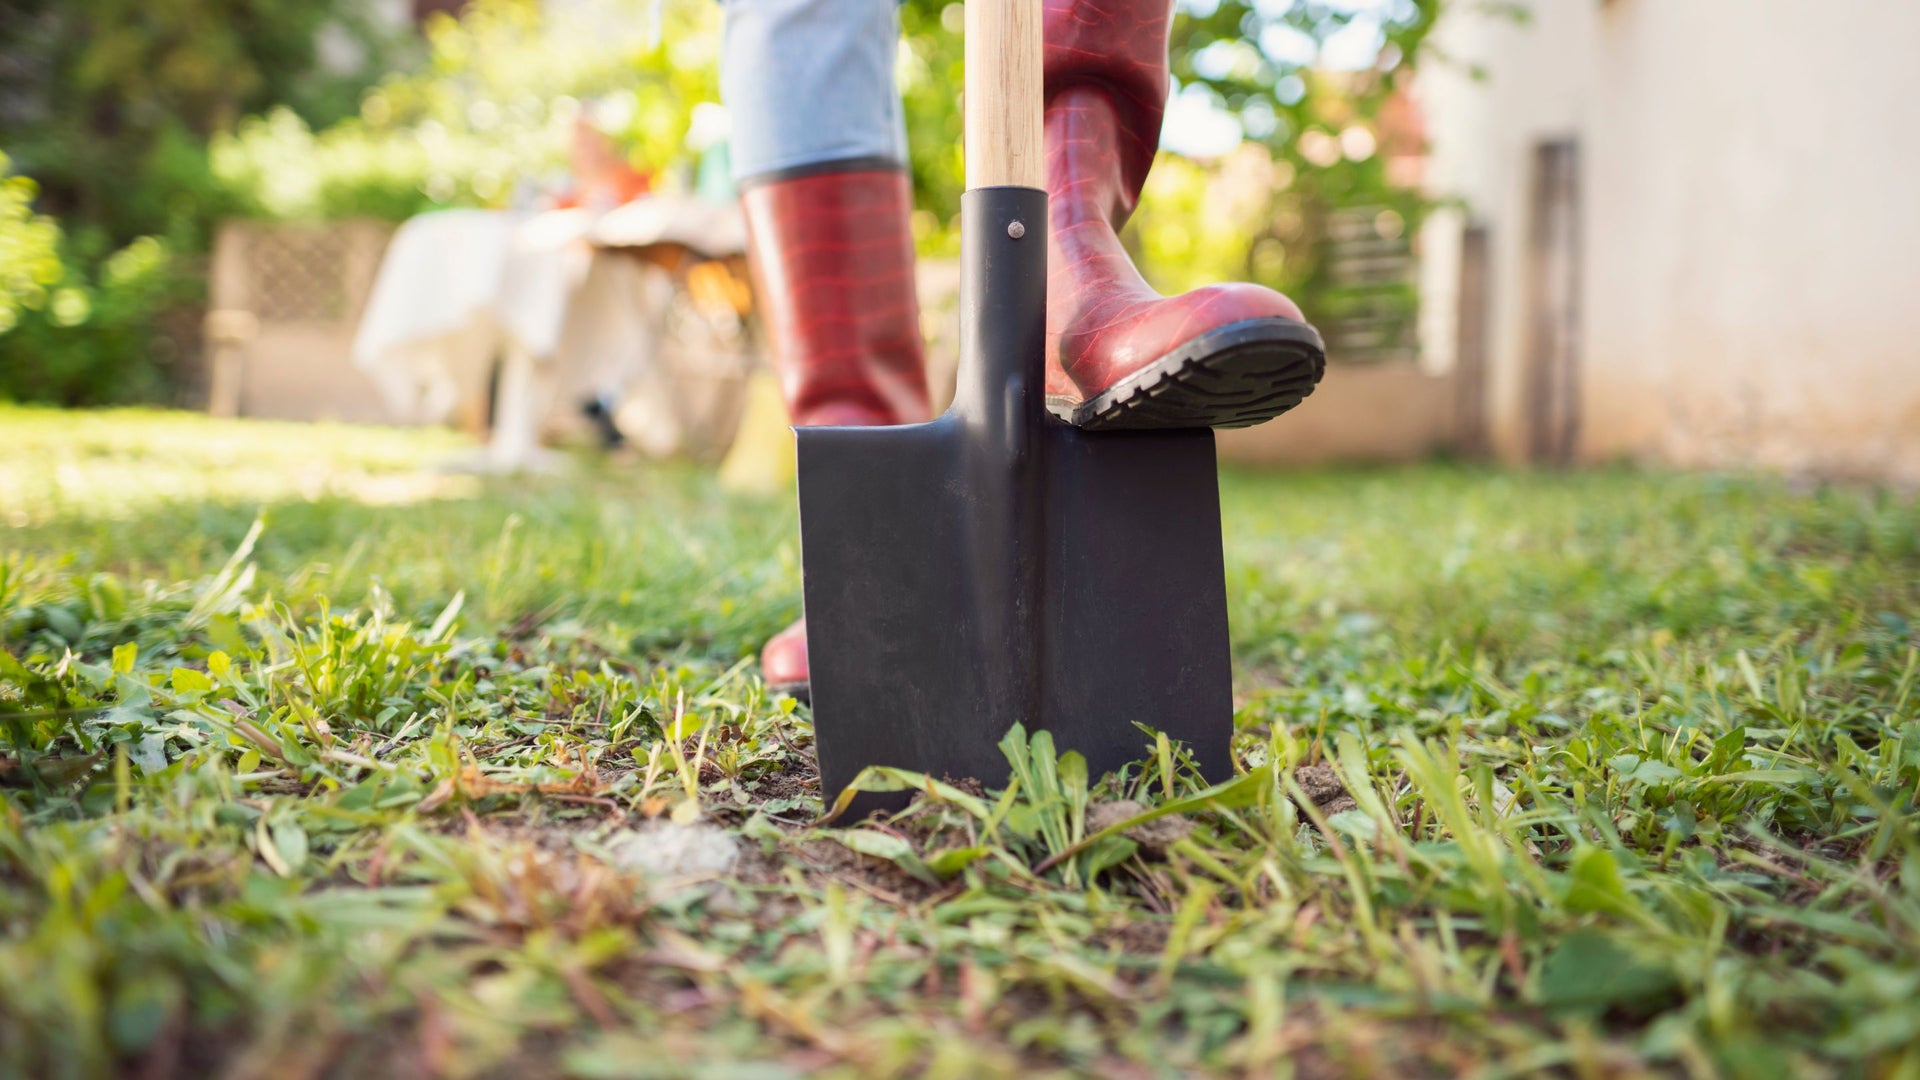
(75, 329)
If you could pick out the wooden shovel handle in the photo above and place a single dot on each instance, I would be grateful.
(1004, 146)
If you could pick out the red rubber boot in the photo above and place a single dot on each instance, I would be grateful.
(1119, 355)
(832, 259)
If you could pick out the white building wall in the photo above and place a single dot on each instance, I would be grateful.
(1495, 89)
(1750, 186)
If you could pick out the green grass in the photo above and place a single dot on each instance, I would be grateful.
(1630, 766)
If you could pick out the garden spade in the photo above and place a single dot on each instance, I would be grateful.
(996, 565)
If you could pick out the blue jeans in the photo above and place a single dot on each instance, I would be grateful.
(810, 83)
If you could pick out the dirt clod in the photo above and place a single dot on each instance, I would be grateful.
(1323, 786)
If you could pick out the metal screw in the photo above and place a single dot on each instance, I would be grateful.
(1016, 230)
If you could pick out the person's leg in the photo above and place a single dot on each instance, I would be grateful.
(819, 155)
(1118, 354)
(809, 83)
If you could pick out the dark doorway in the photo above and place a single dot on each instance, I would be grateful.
(1552, 376)
(1470, 344)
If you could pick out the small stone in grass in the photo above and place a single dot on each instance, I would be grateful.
(1155, 836)
(664, 849)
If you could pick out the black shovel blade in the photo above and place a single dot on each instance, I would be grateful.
(934, 622)
(997, 566)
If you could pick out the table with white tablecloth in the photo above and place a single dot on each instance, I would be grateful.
(568, 304)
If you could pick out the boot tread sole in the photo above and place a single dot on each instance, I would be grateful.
(1233, 376)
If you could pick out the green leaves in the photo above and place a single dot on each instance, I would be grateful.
(1054, 791)
(283, 846)
(1590, 971)
(1633, 769)
(881, 778)
(937, 867)
(29, 248)
(886, 846)
(1241, 791)
(188, 683)
(1043, 809)
(948, 862)
(1594, 884)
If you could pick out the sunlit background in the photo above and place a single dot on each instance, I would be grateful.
(392, 516)
(1557, 232)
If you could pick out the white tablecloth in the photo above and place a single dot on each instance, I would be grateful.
(455, 289)
(549, 295)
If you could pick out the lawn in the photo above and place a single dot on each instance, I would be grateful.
(315, 761)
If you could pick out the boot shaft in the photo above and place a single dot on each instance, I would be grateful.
(1118, 48)
(832, 259)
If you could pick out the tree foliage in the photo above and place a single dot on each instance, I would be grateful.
(483, 119)
(29, 249)
(486, 118)
(72, 334)
(108, 104)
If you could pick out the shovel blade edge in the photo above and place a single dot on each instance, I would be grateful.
(1135, 608)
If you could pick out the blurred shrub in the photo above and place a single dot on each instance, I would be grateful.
(931, 73)
(131, 115)
(29, 249)
(95, 339)
(1268, 215)
(277, 167)
(1317, 91)
(71, 337)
